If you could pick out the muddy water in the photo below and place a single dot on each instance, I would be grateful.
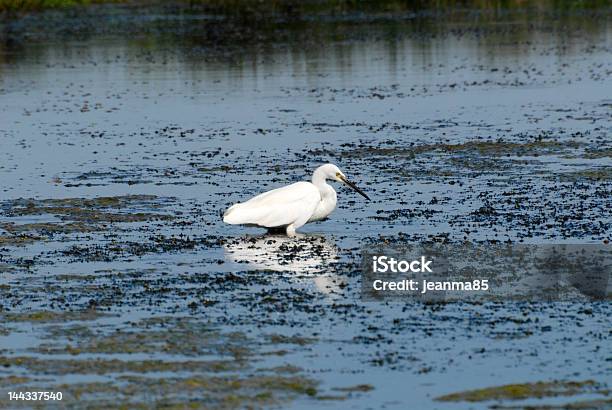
(120, 147)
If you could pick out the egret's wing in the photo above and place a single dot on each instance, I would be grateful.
(292, 191)
(278, 207)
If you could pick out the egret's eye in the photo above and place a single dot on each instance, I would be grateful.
(338, 174)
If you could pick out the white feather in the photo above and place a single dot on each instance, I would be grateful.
(292, 204)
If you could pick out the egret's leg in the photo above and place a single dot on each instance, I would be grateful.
(277, 230)
(291, 230)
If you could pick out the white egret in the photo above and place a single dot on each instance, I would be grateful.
(291, 206)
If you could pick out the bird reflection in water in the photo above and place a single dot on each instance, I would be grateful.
(309, 256)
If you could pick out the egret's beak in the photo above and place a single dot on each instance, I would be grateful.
(353, 186)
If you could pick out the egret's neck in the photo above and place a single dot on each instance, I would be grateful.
(319, 179)
(328, 195)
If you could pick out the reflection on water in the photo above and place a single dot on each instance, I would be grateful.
(193, 46)
(310, 255)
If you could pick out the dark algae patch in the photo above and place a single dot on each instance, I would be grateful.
(17, 240)
(114, 366)
(97, 210)
(230, 378)
(13, 380)
(295, 339)
(51, 316)
(49, 228)
(201, 392)
(498, 148)
(603, 404)
(356, 388)
(230, 392)
(30, 205)
(596, 174)
(528, 390)
(174, 336)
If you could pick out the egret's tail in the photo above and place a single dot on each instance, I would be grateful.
(245, 214)
(230, 217)
(239, 214)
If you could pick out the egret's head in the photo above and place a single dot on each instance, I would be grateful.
(333, 172)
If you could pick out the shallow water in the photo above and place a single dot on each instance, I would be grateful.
(459, 129)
